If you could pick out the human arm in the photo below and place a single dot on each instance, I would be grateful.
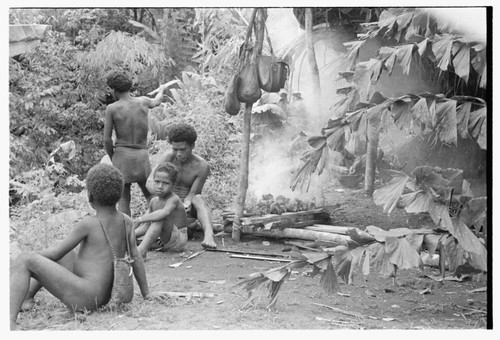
(197, 186)
(108, 130)
(162, 213)
(150, 103)
(138, 266)
(59, 249)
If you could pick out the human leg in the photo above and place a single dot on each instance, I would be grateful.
(204, 215)
(73, 291)
(124, 203)
(141, 229)
(161, 229)
(145, 191)
(34, 286)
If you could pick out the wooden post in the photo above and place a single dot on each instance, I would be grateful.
(258, 21)
(311, 58)
(371, 155)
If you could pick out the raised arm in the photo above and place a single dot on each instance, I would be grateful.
(108, 130)
(150, 103)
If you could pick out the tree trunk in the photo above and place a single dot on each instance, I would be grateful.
(311, 57)
(371, 157)
(246, 128)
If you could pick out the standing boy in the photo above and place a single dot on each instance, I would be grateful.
(86, 280)
(166, 214)
(128, 117)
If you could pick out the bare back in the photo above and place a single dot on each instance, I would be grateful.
(129, 117)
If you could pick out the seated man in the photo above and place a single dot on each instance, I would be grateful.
(193, 172)
(166, 214)
(128, 117)
(83, 280)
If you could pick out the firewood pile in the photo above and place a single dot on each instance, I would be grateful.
(282, 217)
(278, 205)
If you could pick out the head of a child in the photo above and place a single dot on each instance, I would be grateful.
(182, 138)
(119, 81)
(165, 176)
(104, 184)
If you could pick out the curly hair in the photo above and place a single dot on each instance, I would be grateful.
(119, 81)
(182, 133)
(169, 169)
(104, 184)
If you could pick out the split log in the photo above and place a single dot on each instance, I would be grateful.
(303, 235)
(245, 252)
(330, 228)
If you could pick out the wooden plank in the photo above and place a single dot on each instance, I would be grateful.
(245, 252)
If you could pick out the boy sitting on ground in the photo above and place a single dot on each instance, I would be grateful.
(165, 224)
(83, 280)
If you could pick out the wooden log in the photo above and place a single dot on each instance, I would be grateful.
(330, 228)
(188, 294)
(303, 235)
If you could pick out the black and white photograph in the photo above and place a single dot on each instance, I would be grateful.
(205, 167)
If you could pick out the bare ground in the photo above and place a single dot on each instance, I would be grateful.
(373, 302)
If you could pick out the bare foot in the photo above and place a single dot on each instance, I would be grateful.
(209, 242)
(28, 304)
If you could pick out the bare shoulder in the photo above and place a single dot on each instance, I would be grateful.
(201, 163)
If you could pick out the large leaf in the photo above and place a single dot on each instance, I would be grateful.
(404, 56)
(463, 115)
(420, 203)
(447, 121)
(329, 280)
(474, 211)
(402, 113)
(465, 236)
(401, 253)
(389, 195)
(432, 241)
(427, 176)
(388, 55)
(461, 62)
(440, 215)
(442, 51)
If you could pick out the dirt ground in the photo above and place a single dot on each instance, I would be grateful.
(415, 302)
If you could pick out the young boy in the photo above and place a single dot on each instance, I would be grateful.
(83, 280)
(166, 221)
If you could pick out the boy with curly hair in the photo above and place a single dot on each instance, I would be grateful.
(83, 280)
(193, 172)
(128, 117)
(166, 221)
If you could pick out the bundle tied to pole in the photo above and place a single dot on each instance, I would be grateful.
(248, 92)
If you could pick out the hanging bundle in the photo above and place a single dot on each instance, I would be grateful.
(249, 90)
(272, 72)
(123, 285)
(231, 103)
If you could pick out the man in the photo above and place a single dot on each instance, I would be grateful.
(193, 172)
(128, 117)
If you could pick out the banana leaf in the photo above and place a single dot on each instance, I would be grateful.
(389, 195)
(401, 253)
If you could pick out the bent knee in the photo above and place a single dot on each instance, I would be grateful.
(198, 200)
